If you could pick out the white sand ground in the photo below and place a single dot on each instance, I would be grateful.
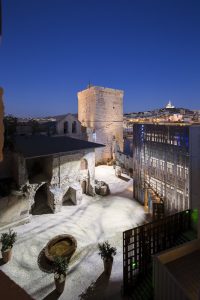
(96, 219)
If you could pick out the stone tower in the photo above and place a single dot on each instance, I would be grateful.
(101, 110)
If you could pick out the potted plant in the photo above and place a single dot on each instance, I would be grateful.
(7, 240)
(60, 269)
(107, 252)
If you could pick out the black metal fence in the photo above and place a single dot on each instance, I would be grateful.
(140, 243)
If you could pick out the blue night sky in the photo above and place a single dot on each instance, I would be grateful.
(51, 49)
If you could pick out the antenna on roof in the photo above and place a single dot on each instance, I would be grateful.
(89, 85)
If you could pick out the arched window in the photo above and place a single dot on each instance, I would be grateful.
(74, 129)
(66, 127)
(84, 164)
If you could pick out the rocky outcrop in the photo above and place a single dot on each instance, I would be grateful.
(1, 124)
(101, 188)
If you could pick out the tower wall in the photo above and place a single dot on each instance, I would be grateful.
(102, 110)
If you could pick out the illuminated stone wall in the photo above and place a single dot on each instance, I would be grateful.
(66, 176)
(1, 124)
(69, 119)
(101, 109)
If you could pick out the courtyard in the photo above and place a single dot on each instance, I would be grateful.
(95, 220)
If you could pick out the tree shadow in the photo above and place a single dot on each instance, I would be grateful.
(97, 289)
(43, 263)
(54, 295)
(2, 262)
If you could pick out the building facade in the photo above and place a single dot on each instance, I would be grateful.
(101, 110)
(166, 165)
(45, 174)
(69, 125)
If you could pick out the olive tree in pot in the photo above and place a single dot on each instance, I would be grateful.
(107, 252)
(60, 269)
(7, 240)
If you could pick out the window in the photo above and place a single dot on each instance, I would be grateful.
(74, 129)
(65, 127)
(84, 164)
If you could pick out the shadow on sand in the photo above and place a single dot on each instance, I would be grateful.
(54, 295)
(97, 289)
(2, 262)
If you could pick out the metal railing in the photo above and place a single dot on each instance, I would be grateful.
(140, 243)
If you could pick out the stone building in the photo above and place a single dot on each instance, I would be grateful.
(47, 172)
(1, 124)
(68, 125)
(101, 110)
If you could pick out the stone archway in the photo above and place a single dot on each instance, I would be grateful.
(41, 205)
(67, 199)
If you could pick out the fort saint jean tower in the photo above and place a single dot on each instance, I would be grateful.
(101, 110)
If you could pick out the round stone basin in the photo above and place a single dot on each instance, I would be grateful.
(61, 245)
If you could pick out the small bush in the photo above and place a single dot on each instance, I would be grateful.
(106, 251)
(8, 240)
(60, 265)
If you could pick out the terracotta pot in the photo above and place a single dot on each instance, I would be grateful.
(108, 265)
(59, 285)
(6, 255)
(69, 251)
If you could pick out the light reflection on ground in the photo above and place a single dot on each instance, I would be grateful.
(96, 219)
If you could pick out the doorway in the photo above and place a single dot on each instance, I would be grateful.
(41, 205)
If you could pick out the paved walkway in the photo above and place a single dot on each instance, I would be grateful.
(96, 219)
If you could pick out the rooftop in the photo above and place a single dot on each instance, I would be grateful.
(168, 123)
(101, 88)
(39, 145)
(47, 119)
